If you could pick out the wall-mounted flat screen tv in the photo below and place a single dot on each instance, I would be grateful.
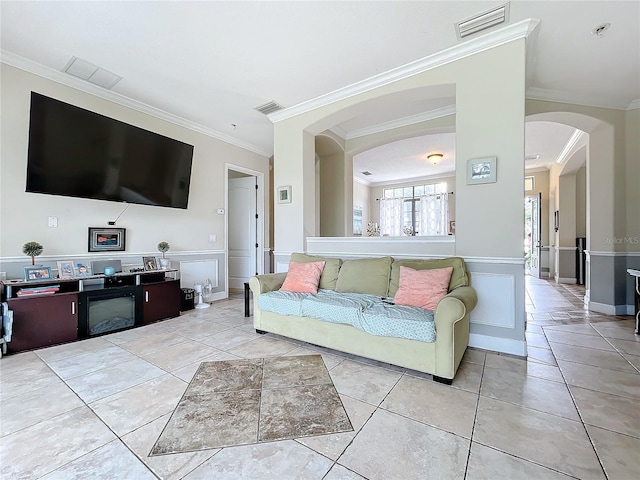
(78, 153)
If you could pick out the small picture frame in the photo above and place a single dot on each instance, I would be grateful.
(65, 269)
(150, 264)
(284, 194)
(481, 170)
(106, 239)
(82, 269)
(37, 273)
(452, 227)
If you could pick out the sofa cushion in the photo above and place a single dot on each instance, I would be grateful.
(422, 288)
(459, 277)
(329, 274)
(303, 277)
(365, 275)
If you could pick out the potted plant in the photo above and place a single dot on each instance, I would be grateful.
(33, 249)
(164, 247)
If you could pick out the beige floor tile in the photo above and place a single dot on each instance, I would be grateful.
(363, 382)
(533, 328)
(527, 391)
(130, 409)
(583, 329)
(262, 347)
(487, 463)
(387, 448)
(229, 338)
(329, 359)
(24, 373)
(542, 355)
(622, 330)
(274, 460)
(180, 355)
(167, 467)
(468, 377)
(60, 352)
(506, 362)
(90, 361)
(619, 453)
(578, 339)
(110, 380)
(333, 445)
(549, 440)
(152, 342)
(48, 445)
(186, 373)
(611, 412)
(102, 464)
(474, 355)
(441, 406)
(633, 360)
(200, 330)
(591, 356)
(544, 370)
(338, 472)
(34, 406)
(601, 379)
(627, 346)
(537, 340)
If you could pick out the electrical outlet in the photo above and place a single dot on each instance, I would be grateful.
(53, 221)
(212, 238)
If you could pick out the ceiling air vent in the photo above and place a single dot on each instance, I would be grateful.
(91, 73)
(483, 21)
(269, 107)
(367, 173)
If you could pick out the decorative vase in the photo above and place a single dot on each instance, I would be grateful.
(165, 263)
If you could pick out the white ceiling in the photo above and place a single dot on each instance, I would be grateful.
(209, 63)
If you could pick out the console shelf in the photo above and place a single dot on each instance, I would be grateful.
(50, 312)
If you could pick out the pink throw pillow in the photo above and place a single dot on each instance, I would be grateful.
(422, 288)
(303, 277)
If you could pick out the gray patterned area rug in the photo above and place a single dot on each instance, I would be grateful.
(240, 402)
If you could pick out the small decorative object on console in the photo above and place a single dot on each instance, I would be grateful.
(164, 247)
(33, 274)
(33, 249)
(150, 263)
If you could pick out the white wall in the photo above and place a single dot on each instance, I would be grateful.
(24, 215)
(361, 198)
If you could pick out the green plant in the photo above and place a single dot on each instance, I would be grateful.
(33, 249)
(163, 247)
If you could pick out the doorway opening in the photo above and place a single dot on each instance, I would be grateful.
(532, 231)
(245, 226)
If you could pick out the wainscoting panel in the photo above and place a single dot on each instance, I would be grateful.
(496, 299)
(196, 271)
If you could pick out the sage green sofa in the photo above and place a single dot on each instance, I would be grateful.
(378, 276)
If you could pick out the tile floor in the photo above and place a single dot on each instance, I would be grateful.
(94, 409)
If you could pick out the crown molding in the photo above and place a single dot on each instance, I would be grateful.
(485, 42)
(574, 98)
(571, 146)
(65, 79)
(403, 122)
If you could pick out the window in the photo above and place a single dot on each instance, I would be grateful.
(528, 183)
(417, 210)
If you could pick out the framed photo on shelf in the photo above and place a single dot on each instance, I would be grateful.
(481, 170)
(150, 264)
(284, 194)
(65, 270)
(82, 269)
(35, 273)
(106, 239)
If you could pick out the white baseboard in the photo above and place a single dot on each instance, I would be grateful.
(502, 345)
(216, 296)
(612, 309)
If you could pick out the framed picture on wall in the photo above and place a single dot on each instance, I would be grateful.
(284, 194)
(481, 170)
(106, 239)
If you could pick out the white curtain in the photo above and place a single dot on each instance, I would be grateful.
(391, 217)
(434, 214)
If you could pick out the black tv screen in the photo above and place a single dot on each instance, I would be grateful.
(78, 153)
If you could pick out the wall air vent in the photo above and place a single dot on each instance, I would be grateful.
(91, 73)
(367, 173)
(483, 21)
(269, 107)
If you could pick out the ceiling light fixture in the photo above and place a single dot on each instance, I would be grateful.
(435, 158)
(600, 29)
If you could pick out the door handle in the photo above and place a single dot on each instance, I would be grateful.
(73, 308)
(146, 296)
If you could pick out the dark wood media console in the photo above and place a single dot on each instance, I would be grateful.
(121, 301)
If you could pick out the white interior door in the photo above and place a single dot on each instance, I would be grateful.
(243, 243)
(536, 229)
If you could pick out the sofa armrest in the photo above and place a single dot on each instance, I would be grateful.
(266, 283)
(467, 295)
